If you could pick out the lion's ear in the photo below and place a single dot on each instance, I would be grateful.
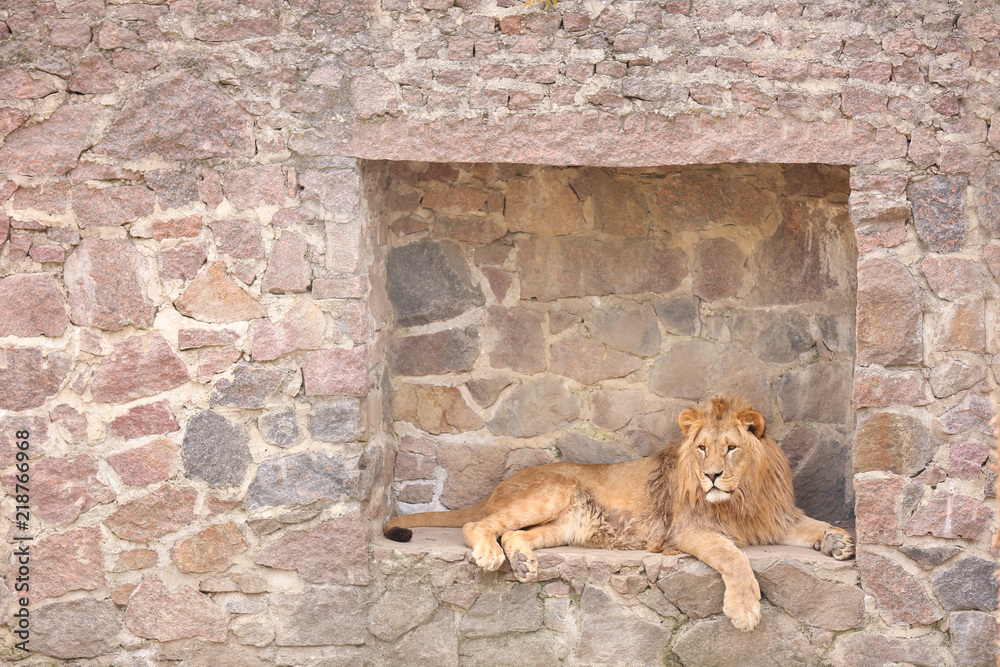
(689, 419)
(753, 421)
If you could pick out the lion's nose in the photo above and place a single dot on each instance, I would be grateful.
(712, 476)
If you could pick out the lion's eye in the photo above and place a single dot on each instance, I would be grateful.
(701, 448)
(730, 448)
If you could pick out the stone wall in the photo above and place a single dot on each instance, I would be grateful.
(550, 314)
(196, 331)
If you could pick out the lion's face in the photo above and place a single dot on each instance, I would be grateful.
(724, 449)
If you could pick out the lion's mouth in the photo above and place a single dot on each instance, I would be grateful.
(717, 495)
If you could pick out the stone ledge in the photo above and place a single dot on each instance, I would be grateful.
(447, 544)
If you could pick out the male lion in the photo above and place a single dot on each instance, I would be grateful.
(724, 485)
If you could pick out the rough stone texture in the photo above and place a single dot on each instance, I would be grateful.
(434, 409)
(429, 281)
(815, 394)
(627, 326)
(149, 419)
(876, 509)
(589, 362)
(970, 585)
(213, 297)
(70, 561)
(399, 611)
(554, 268)
(117, 205)
(302, 478)
(966, 459)
(892, 442)
(974, 639)
(716, 643)
(302, 328)
(238, 238)
(508, 609)
(333, 551)
(63, 488)
(520, 343)
(820, 481)
(215, 449)
(28, 379)
(50, 148)
(209, 550)
(337, 421)
(144, 465)
(899, 595)
(721, 274)
(472, 471)
(812, 600)
(536, 407)
(287, 269)
(178, 117)
(874, 388)
(139, 366)
(84, 628)
(337, 371)
(601, 623)
(105, 285)
(320, 616)
(148, 517)
(452, 350)
(929, 557)
(953, 375)
(950, 515)
(890, 317)
(938, 213)
(249, 387)
(697, 590)
(870, 649)
(973, 413)
(279, 428)
(156, 613)
(31, 305)
(182, 262)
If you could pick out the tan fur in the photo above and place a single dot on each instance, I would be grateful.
(724, 485)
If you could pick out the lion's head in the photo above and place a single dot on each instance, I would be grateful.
(730, 463)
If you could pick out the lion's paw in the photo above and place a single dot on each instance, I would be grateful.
(488, 555)
(742, 606)
(524, 565)
(836, 543)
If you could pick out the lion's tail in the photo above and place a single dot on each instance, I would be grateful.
(398, 529)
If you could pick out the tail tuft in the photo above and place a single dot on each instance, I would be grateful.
(397, 534)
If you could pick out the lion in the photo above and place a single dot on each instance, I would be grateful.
(723, 486)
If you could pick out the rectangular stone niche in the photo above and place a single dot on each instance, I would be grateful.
(570, 313)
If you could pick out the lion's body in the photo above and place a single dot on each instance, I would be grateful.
(725, 485)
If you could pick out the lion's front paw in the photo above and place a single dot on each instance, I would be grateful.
(837, 543)
(524, 565)
(742, 606)
(488, 555)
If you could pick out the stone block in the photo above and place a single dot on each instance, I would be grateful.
(697, 590)
(106, 286)
(63, 488)
(812, 600)
(116, 205)
(970, 585)
(820, 393)
(70, 561)
(619, 207)
(139, 366)
(337, 371)
(899, 595)
(83, 628)
(973, 413)
(589, 362)
(876, 388)
(543, 204)
(554, 268)
(174, 189)
(721, 269)
(472, 471)
(254, 186)
(950, 515)
(775, 337)
(288, 270)
(321, 616)
(215, 450)
(954, 375)
(134, 559)
(890, 317)
(717, 642)
(38, 433)
(337, 421)
(213, 297)
(155, 514)
(28, 379)
(31, 305)
(399, 611)
(452, 350)
(434, 409)
(612, 409)
(213, 126)
(535, 407)
(498, 612)
(154, 612)
(627, 326)
(249, 387)
(485, 391)
(872, 649)
(147, 464)
(371, 95)
(680, 315)
(938, 214)
(892, 442)
(303, 478)
(429, 281)
(182, 262)
(820, 482)
(279, 428)
(50, 148)
(952, 277)
(238, 238)
(302, 328)
(876, 507)
(962, 326)
(209, 550)
(520, 343)
(974, 639)
(966, 459)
